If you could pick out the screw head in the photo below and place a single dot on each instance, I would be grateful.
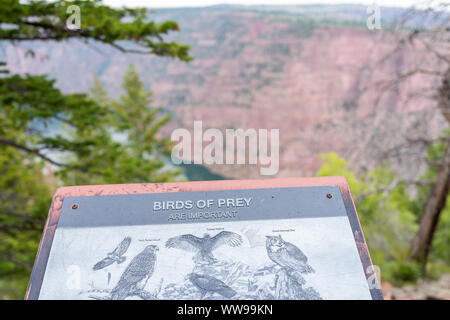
(74, 206)
(329, 196)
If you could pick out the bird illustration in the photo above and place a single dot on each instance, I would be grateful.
(207, 284)
(117, 255)
(287, 255)
(136, 274)
(204, 246)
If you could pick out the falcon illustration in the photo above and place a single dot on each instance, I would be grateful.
(136, 275)
(115, 256)
(287, 255)
(204, 246)
(207, 284)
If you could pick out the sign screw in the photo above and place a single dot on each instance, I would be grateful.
(329, 196)
(74, 207)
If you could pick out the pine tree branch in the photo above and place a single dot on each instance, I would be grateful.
(32, 151)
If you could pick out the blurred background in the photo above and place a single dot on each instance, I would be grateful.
(90, 92)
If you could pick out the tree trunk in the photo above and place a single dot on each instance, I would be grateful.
(421, 243)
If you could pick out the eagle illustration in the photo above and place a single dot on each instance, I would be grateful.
(204, 246)
(115, 256)
(207, 284)
(136, 274)
(287, 255)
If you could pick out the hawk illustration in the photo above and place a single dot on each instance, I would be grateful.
(210, 284)
(136, 275)
(115, 256)
(204, 246)
(287, 255)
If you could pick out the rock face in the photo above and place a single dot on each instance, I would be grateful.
(253, 69)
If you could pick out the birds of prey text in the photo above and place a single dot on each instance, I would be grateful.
(204, 246)
(207, 284)
(287, 255)
(117, 255)
(136, 274)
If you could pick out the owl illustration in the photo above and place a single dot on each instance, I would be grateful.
(287, 255)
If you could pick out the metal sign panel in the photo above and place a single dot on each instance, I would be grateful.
(257, 239)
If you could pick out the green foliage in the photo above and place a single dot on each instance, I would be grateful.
(401, 272)
(126, 146)
(100, 140)
(333, 165)
(85, 139)
(24, 203)
(31, 105)
(441, 240)
(388, 216)
(46, 20)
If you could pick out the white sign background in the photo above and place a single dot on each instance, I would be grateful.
(327, 242)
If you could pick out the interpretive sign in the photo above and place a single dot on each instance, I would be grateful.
(294, 238)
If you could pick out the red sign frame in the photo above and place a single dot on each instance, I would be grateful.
(42, 256)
